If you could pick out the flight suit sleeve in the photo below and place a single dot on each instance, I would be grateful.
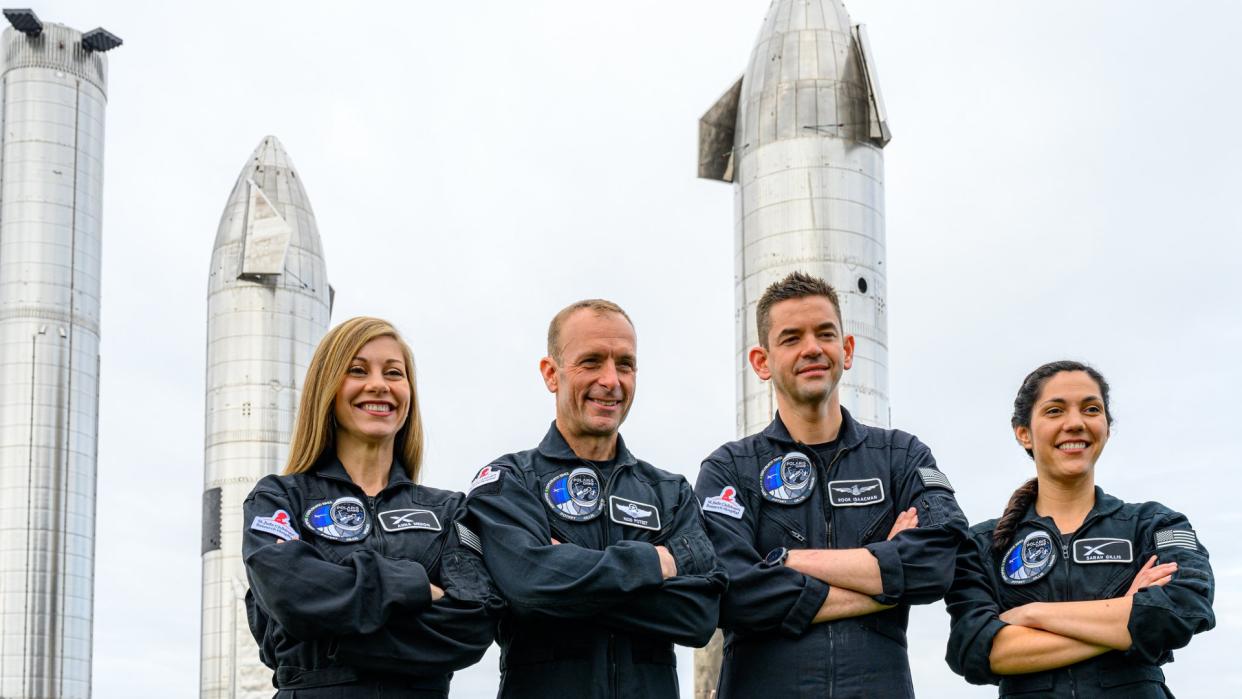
(758, 598)
(685, 609)
(916, 566)
(535, 576)
(1164, 618)
(311, 597)
(974, 613)
(451, 634)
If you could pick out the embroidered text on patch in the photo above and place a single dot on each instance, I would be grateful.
(1103, 550)
(725, 504)
(402, 520)
(855, 493)
(486, 475)
(1183, 538)
(632, 513)
(277, 525)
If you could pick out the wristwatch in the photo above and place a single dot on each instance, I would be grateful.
(775, 557)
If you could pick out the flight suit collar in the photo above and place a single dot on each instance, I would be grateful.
(850, 435)
(1105, 505)
(556, 448)
(330, 467)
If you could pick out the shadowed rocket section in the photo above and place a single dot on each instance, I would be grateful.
(268, 305)
(800, 136)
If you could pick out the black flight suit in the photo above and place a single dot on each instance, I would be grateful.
(771, 647)
(352, 616)
(1098, 561)
(592, 617)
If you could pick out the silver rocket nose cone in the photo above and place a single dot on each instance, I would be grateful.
(798, 15)
(268, 190)
(271, 153)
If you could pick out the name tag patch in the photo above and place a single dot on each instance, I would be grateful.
(403, 520)
(632, 513)
(788, 479)
(343, 519)
(725, 504)
(1103, 550)
(855, 493)
(277, 525)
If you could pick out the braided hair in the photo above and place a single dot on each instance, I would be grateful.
(1023, 406)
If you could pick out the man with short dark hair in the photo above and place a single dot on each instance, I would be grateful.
(602, 557)
(828, 529)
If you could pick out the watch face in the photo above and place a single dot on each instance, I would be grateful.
(775, 557)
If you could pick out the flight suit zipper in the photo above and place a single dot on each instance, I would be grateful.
(811, 453)
(613, 678)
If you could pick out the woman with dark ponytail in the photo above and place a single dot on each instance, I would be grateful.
(1072, 592)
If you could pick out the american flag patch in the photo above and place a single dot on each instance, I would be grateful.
(469, 538)
(1185, 538)
(933, 478)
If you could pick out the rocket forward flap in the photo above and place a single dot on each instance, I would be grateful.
(266, 236)
(877, 114)
(716, 129)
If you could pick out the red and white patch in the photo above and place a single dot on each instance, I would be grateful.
(277, 525)
(487, 474)
(725, 504)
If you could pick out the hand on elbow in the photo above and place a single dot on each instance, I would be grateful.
(668, 565)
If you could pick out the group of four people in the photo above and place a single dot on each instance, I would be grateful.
(807, 542)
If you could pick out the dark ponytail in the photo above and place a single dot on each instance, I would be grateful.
(1023, 405)
(1021, 499)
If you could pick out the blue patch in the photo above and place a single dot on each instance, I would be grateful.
(1029, 560)
(343, 519)
(574, 495)
(788, 479)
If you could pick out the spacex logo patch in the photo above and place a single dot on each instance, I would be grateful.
(403, 520)
(1103, 551)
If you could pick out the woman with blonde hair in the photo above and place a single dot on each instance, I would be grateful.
(362, 582)
(1072, 592)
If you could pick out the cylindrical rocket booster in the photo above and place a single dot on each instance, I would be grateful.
(801, 135)
(268, 305)
(53, 90)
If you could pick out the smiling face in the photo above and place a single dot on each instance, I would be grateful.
(373, 400)
(594, 376)
(806, 352)
(1069, 426)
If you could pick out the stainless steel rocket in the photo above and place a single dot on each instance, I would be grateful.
(801, 135)
(53, 91)
(268, 305)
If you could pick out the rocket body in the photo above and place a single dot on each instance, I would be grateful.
(268, 305)
(53, 91)
(801, 135)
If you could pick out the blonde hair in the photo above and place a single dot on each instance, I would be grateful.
(314, 430)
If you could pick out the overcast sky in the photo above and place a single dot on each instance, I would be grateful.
(1062, 182)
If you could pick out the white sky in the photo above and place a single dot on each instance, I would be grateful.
(1062, 182)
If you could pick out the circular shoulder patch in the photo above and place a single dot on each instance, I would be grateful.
(574, 495)
(788, 479)
(342, 519)
(1029, 560)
